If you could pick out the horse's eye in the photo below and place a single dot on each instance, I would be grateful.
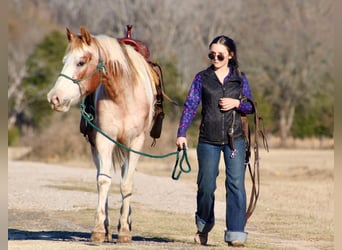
(80, 64)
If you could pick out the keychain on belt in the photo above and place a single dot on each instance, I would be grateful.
(231, 137)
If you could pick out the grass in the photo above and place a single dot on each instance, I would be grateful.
(295, 209)
(285, 222)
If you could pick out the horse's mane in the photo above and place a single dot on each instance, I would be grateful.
(115, 55)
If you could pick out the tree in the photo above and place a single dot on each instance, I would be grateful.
(28, 23)
(294, 61)
(42, 68)
(285, 47)
(315, 120)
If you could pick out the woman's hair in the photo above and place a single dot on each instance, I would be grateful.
(230, 45)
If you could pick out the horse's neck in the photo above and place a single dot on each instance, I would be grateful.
(118, 85)
(114, 102)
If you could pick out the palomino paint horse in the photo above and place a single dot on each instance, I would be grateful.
(124, 86)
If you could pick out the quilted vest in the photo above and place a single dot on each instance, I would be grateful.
(215, 123)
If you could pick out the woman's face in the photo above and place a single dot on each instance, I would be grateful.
(219, 55)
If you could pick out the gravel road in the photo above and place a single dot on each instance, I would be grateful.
(30, 186)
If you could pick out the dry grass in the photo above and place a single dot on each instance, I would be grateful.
(296, 197)
(295, 209)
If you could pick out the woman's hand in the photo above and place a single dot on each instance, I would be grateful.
(180, 141)
(228, 103)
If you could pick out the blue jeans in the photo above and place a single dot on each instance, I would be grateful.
(208, 156)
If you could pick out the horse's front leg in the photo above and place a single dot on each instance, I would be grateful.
(126, 189)
(103, 160)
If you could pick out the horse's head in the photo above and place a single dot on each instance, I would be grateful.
(81, 71)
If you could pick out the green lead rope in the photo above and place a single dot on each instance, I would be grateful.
(184, 156)
(89, 119)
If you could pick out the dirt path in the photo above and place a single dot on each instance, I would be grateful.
(37, 192)
(31, 186)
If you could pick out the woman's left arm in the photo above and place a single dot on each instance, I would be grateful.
(245, 106)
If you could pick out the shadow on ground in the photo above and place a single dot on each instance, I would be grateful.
(16, 234)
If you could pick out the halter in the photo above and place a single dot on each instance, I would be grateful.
(99, 68)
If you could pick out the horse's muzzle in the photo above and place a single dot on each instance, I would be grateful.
(57, 104)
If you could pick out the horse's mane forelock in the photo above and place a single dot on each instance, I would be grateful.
(114, 54)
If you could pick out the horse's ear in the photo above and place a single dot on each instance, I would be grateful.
(85, 35)
(70, 35)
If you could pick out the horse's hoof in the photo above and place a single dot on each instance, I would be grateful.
(98, 237)
(124, 239)
(124, 236)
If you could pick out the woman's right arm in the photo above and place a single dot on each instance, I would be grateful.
(190, 108)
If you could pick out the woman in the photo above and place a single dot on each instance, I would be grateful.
(220, 88)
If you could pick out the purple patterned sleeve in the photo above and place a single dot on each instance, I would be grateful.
(190, 106)
(246, 107)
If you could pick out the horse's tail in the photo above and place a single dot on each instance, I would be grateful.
(119, 155)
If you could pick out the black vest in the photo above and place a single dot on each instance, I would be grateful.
(215, 123)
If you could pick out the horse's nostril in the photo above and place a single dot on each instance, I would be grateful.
(55, 100)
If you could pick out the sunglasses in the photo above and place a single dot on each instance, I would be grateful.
(212, 56)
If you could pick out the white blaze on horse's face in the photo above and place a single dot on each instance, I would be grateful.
(66, 92)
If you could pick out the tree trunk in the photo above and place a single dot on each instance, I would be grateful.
(285, 123)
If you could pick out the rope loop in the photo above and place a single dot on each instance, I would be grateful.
(182, 169)
(89, 117)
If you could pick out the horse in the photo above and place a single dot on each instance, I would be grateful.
(123, 84)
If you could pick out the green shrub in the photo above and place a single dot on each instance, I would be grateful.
(13, 135)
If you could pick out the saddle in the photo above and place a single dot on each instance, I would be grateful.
(136, 44)
(158, 116)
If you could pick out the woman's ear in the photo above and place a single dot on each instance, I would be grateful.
(230, 55)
